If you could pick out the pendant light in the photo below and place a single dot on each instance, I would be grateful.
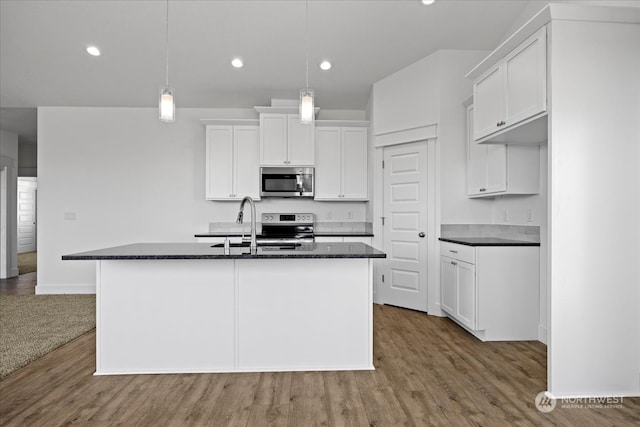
(306, 94)
(167, 101)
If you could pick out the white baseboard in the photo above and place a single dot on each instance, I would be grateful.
(542, 334)
(65, 289)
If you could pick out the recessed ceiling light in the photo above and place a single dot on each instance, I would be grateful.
(237, 62)
(325, 65)
(427, 2)
(93, 51)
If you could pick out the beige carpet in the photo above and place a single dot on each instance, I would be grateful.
(33, 325)
(27, 262)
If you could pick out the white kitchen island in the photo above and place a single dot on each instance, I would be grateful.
(188, 307)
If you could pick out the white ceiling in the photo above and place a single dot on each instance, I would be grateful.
(43, 61)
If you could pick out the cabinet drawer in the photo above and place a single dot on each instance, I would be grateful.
(459, 252)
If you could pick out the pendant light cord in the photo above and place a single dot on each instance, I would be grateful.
(307, 39)
(167, 42)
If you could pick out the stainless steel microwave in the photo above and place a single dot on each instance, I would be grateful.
(286, 182)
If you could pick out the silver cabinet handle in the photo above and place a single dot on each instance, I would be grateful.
(452, 251)
(421, 234)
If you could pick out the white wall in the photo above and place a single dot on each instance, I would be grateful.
(454, 89)
(408, 98)
(594, 151)
(8, 204)
(126, 177)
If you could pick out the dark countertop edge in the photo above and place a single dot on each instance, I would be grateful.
(318, 234)
(233, 256)
(505, 242)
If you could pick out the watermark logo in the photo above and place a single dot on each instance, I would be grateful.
(545, 403)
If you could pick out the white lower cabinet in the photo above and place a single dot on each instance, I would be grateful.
(459, 290)
(492, 291)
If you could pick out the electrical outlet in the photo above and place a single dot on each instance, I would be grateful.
(505, 215)
(529, 215)
(350, 215)
(329, 215)
(70, 216)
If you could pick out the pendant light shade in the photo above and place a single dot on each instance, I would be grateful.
(307, 113)
(306, 106)
(167, 105)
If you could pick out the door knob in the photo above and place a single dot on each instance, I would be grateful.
(421, 234)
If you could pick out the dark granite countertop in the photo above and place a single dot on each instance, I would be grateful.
(487, 241)
(153, 251)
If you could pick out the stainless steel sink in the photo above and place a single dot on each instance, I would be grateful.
(246, 245)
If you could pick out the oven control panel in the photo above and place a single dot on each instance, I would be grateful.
(287, 218)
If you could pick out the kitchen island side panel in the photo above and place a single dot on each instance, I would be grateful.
(163, 316)
(313, 314)
(235, 315)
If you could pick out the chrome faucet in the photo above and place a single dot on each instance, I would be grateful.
(253, 245)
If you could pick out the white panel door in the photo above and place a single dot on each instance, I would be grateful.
(405, 226)
(26, 216)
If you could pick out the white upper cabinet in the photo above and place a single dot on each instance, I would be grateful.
(301, 142)
(341, 169)
(285, 141)
(232, 162)
(513, 91)
(496, 170)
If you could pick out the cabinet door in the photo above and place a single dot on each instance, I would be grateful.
(354, 164)
(466, 294)
(219, 162)
(246, 155)
(300, 139)
(525, 79)
(496, 168)
(476, 160)
(273, 139)
(488, 100)
(448, 297)
(328, 167)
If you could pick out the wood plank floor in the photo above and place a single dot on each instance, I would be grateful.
(428, 372)
(24, 284)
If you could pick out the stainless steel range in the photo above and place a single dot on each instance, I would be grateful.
(286, 228)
